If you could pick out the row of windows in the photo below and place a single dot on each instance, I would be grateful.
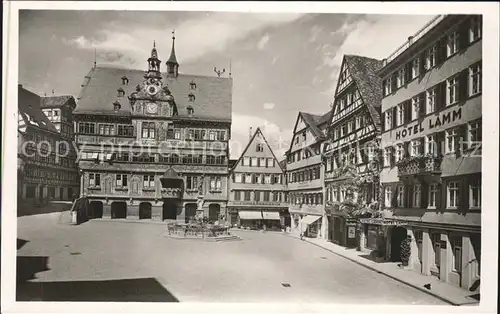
(347, 100)
(451, 44)
(148, 181)
(435, 239)
(306, 198)
(265, 196)
(467, 136)
(350, 126)
(428, 196)
(304, 175)
(447, 93)
(354, 155)
(149, 131)
(302, 136)
(257, 178)
(155, 158)
(336, 193)
(50, 174)
(268, 162)
(303, 154)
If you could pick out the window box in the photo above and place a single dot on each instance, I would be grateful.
(121, 188)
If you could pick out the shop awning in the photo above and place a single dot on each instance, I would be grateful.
(271, 215)
(309, 219)
(250, 214)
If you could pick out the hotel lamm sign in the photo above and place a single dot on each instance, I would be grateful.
(436, 122)
(443, 119)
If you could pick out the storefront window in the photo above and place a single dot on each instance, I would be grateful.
(371, 237)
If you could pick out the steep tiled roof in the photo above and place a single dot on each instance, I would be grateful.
(213, 95)
(314, 122)
(364, 72)
(54, 101)
(29, 109)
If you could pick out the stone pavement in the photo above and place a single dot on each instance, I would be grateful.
(439, 289)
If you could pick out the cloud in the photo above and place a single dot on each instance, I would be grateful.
(278, 138)
(315, 32)
(263, 42)
(268, 105)
(275, 59)
(136, 42)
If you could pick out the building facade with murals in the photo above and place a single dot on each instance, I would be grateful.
(46, 158)
(257, 188)
(304, 171)
(431, 176)
(154, 144)
(351, 153)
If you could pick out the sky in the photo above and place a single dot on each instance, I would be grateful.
(281, 63)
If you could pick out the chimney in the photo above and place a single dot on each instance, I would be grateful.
(410, 40)
(250, 134)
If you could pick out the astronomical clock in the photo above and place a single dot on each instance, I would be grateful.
(153, 98)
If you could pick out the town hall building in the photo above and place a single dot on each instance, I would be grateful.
(154, 145)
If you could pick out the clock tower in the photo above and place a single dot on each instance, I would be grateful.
(152, 97)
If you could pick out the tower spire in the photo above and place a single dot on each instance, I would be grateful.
(172, 64)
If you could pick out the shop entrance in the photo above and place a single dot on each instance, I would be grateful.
(397, 236)
(145, 210)
(118, 210)
(213, 212)
(170, 208)
(190, 211)
(95, 209)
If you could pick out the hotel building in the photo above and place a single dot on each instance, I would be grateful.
(431, 177)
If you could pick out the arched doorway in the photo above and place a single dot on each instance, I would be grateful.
(95, 209)
(118, 210)
(190, 211)
(170, 209)
(145, 210)
(213, 212)
(398, 234)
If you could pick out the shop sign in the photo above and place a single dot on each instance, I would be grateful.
(351, 232)
(433, 122)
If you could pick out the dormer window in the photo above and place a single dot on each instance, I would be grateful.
(192, 85)
(121, 92)
(116, 106)
(125, 80)
(190, 110)
(191, 97)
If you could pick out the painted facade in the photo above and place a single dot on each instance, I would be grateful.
(305, 175)
(46, 159)
(154, 145)
(431, 176)
(257, 188)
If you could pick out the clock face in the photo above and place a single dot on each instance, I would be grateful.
(152, 90)
(151, 108)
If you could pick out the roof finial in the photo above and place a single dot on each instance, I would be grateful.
(95, 57)
(229, 67)
(154, 43)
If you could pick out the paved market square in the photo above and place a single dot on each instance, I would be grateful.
(123, 261)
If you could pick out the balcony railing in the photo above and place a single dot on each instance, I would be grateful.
(420, 165)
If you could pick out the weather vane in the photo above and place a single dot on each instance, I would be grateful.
(219, 72)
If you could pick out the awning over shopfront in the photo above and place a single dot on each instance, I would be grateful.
(309, 219)
(271, 215)
(382, 222)
(250, 214)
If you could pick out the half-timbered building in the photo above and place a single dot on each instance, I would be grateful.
(153, 144)
(305, 175)
(352, 140)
